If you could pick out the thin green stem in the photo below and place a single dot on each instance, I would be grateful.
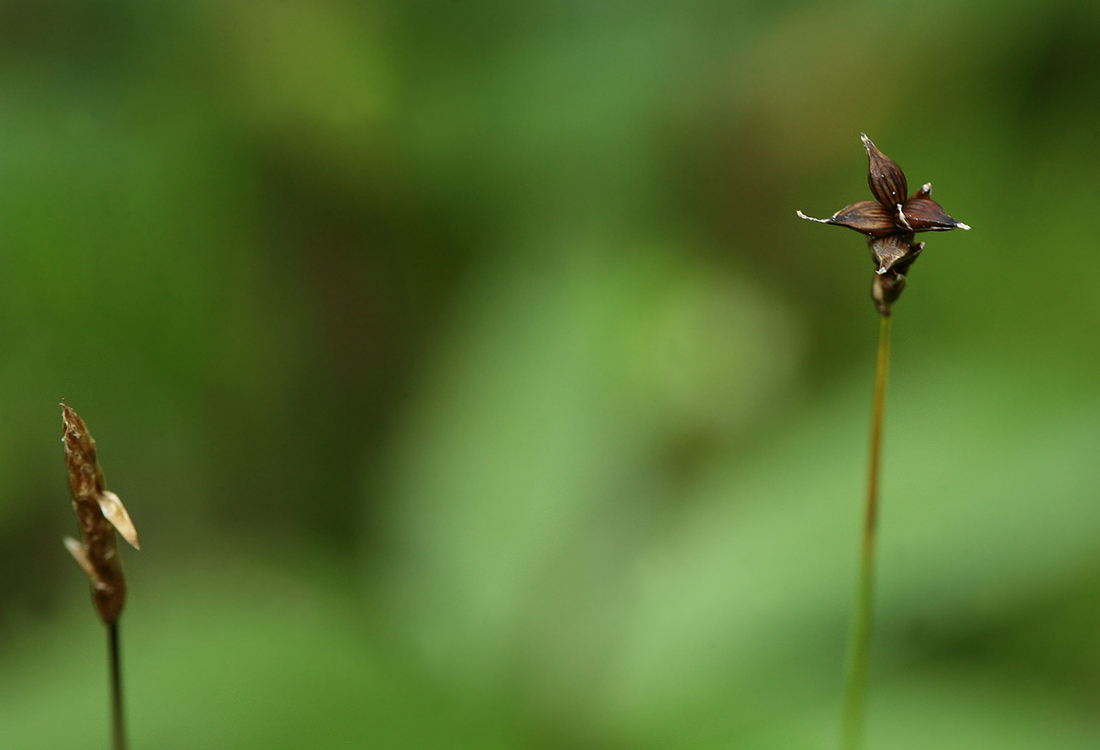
(119, 730)
(859, 639)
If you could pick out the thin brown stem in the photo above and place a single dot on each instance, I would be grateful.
(118, 726)
(859, 642)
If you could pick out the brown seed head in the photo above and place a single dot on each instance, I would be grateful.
(889, 222)
(99, 513)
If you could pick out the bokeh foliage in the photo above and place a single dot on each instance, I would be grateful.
(472, 382)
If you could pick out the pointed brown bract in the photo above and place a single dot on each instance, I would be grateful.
(925, 215)
(868, 217)
(99, 513)
(889, 223)
(888, 252)
(894, 255)
(885, 177)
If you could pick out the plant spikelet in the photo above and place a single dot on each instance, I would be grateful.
(99, 513)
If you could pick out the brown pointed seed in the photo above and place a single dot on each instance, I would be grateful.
(924, 192)
(867, 217)
(925, 215)
(98, 513)
(885, 177)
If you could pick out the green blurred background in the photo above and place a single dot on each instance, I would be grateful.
(473, 384)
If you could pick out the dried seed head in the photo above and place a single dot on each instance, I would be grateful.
(889, 223)
(99, 513)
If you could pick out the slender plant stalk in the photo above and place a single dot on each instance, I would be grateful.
(859, 639)
(890, 223)
(118, 725)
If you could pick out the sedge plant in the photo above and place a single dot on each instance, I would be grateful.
(889, 222)
(99, 514)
